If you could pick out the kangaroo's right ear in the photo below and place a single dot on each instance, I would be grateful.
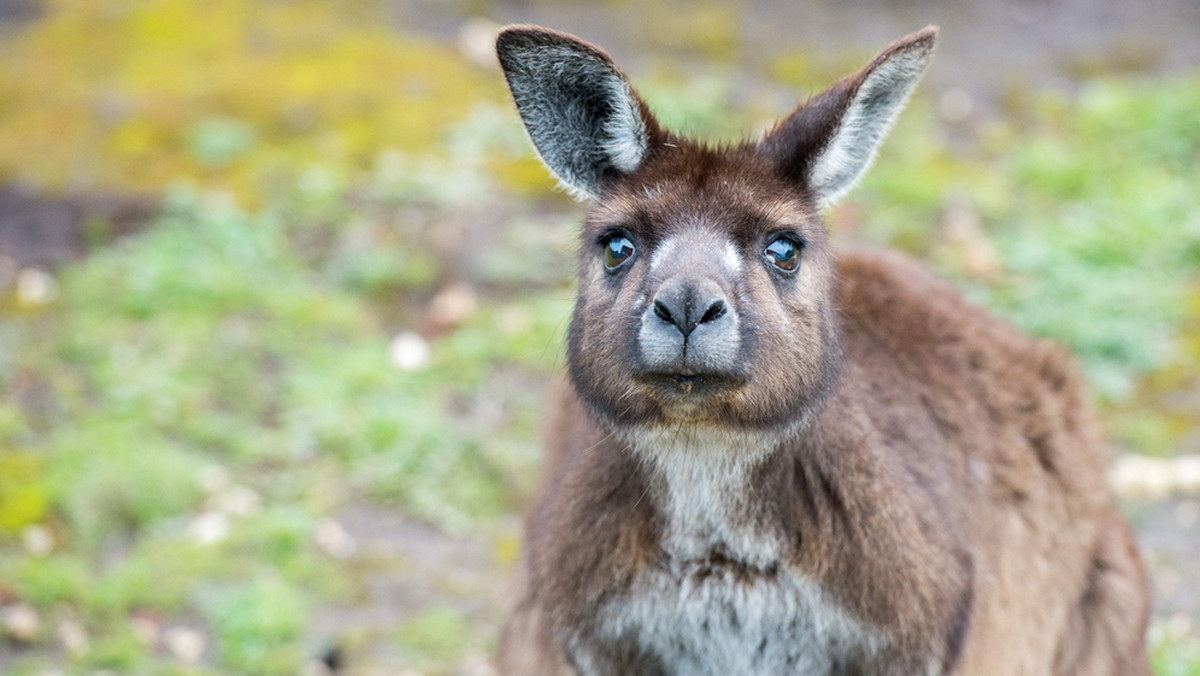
(830, 141)
(584, 119)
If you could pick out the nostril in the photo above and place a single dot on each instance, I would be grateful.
(661, 311)
(682, 312)
(714, 312)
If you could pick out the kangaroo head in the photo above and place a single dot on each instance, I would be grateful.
(706, 278)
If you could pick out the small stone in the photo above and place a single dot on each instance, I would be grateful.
(1134, 476)
(1187, 473)
(146, 628)
(237, 501)
(956, 105)
(187, 645)
(513, 320)
(452, 306)
(476, 41)
(209, 527)
(20, 621)
(214, 479)
(409, 351)
(38, 539)
(333, 539)
(72, 636)
(36, 287)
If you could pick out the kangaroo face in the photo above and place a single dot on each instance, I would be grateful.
(705, 297)
(704, 287)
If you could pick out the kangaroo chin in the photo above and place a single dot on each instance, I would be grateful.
(771, 457)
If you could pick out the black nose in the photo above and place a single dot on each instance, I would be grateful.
(688, 304)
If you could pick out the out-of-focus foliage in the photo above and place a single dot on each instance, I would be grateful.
(1172, 654)
(1083, 226)
(1096, 211)
(131, 95)
(436, 636)
(233, 344)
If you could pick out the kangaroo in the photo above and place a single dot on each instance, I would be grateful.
(775, 458)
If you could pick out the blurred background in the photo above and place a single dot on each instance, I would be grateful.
(281, 287)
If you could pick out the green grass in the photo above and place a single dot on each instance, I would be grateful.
(1173, 654)
(216, 341)
(1091, 213)
(1093, 209)
(435, 637)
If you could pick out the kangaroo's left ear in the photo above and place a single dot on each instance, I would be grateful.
(830, 141)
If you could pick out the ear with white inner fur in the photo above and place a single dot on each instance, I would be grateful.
(830, 141)
(580, 112)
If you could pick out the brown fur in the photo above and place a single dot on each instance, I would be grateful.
(937, 473)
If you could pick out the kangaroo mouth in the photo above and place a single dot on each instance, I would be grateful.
(690, 384)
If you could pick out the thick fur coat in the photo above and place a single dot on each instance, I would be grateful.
(839, 466)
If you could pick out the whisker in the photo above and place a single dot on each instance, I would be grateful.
(596, 445)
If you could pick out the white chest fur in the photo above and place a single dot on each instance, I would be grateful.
(695, 619)
(723, 600)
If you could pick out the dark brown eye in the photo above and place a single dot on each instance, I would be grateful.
(783, 253)
(617, 250)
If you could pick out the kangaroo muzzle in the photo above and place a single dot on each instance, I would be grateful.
(689, 329)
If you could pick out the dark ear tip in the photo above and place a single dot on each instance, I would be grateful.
(528, 36)
(921, 43)
(925, 38)
(516, 36)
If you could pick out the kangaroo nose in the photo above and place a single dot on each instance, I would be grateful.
(686, 304)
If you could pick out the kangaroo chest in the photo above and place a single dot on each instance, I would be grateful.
(713, 617)
(722, 598)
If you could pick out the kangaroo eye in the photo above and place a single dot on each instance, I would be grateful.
(783, 253)
(617, 250)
